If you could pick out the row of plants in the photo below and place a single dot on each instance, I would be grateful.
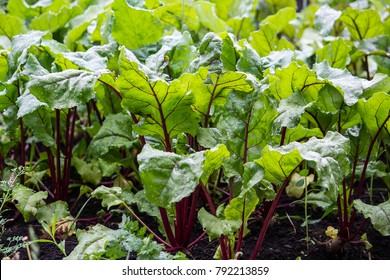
(193, 112)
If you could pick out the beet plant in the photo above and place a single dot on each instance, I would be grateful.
(194, 115)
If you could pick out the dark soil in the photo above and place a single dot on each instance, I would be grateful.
(285, 238)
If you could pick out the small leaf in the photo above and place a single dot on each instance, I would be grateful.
(28, 201)
(109, 196)
(213, 160)
(332, 232)
(46, 213)
(216, 227)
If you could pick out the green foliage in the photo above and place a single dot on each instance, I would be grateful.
(164, 102)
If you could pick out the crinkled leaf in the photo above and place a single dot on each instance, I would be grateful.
(375, 112)
(362, 24)
(379, 215)
(235, 210)
(92, 242)
(325, 17)
(115, 132)
(216, 227)
(65, 89)
(94, 59)
(291, 109)
(28, 201)
(350, 85)
(110, 196)
(209, 137)
(135, 27)
(168, 177)
(379, 83)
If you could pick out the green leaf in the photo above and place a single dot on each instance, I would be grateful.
(281, 19)
(116, 132)
(94, 59)
(53, 21)
(168, 177)
(28, 201)
(209, 137)
(11, 25)
(291, 109)
(247, 121)
(278, 165)
(362, 24)
(176, 15)
(325, 18)
(248, 201)
(330, 99)
(216, 227)
(207, 15)
(161, 104)
(375, 112)
(379, 83)
(379, 215)
(109, 196)
(89, 171)
(336, 53)
(134, 27)
(350, 85)
(91, 242)
(46, 213)
(65, 89)
(211, 89)
(264, 40)
(213, 160)
(329, 154)
(250, 62)
(175, 55)
(300, 134)
(294, 78)
(253, 174)
(39, 122)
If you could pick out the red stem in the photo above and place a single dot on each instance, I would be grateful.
(269, 217)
